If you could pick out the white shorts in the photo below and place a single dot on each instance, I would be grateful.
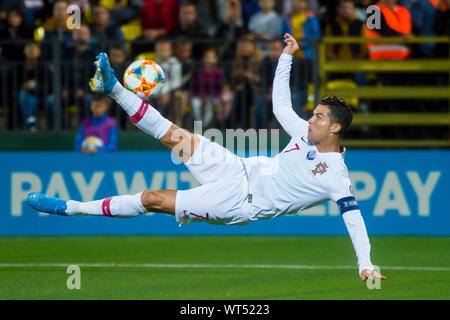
(222, 197)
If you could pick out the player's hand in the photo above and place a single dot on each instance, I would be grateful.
(291, 44)
(369, 274)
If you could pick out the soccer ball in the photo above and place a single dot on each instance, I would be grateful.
(92, 143)
(145, 78)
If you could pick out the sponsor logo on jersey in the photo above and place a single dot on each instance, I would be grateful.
(311, 155)
(321, 168)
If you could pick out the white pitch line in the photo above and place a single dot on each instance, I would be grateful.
(208, 266)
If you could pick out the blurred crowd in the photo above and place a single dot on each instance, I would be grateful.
(219, 56)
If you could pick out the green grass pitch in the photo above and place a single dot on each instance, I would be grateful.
(163, 267)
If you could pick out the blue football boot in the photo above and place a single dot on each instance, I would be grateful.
(44, 203)
(104, 79)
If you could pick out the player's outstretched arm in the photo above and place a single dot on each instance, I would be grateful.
(358, 234)
(281, 95)
(340, 191)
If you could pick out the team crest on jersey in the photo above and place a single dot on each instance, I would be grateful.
(321, 168)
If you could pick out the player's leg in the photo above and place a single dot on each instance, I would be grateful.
(125, 206)
(143, 115)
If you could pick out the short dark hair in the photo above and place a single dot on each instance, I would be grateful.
(340, 112)
(102, 97)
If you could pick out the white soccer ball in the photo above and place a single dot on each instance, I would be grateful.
(92, 143)
(145, 78)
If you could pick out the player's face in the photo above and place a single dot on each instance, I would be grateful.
(319, 124)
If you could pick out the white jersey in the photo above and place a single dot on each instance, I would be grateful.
(300, 176)
(237, 190)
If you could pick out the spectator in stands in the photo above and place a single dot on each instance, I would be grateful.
(98, 125)
(208, 11)
(76, 71)
(33, 10)
(442, 27)
(345, 24)
(122, 14)
(263, 100)
(104, 32)
(158, 18)
(85, 8)
(173, 72)
(230, 29)
(285, 7)
(183, 52)
(249, 8)
(246, 79)
(79, 59)
(189, 28)
(15, 29)
(395, 21)
(7, 5)
(267, 24)
(327, 11)
(119, 62)
(422, 16)
(118, 58)
(361, 9)
(31, 76)
(207, 88)
(57, 22)
(304, 26)
(56, 28)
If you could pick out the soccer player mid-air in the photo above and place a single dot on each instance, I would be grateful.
(234, 190)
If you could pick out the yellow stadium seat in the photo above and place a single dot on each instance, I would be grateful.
(39, 34)
(132, 30)
(309, 105)
(149, 55)
(111, 3)
(333, 84)
(344, 84)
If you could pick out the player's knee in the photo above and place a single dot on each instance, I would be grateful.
(151, 199)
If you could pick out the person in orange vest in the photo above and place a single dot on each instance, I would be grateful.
(395, 21)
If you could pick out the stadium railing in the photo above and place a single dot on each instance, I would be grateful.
(65, 116)
(383, 92)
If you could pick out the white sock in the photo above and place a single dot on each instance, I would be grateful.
(143, 115)
(126, 206)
